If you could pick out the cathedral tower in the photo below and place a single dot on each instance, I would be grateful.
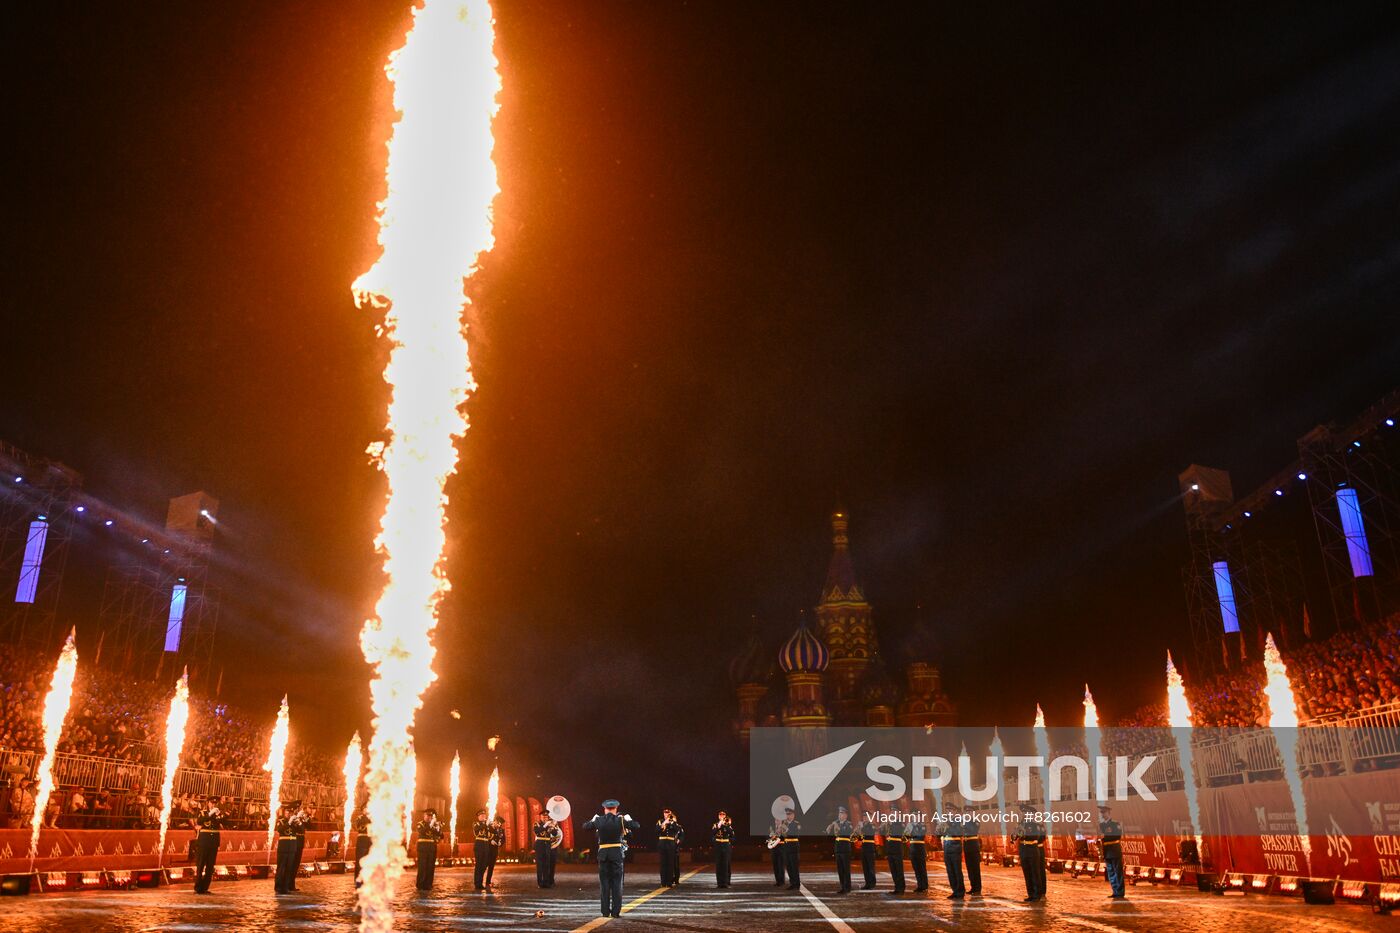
(846, 624)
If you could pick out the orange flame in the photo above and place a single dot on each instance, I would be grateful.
(55, 712)
(1042, 748)
(454, 780)
(353, 762)
(1180, 719)
(1091, 740)
(276, 762)
(174, 744)
(492, 742)
(1282, 708)
(493, 793)
(434, 224)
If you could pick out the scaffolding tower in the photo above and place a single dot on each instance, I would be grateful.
(159, 611)
(36, 528)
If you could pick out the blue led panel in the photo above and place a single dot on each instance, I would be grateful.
(177, 618)
(1225, 592)
(33, 562)
(1355, 530)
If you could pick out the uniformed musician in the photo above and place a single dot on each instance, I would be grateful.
(1030, 838)
(792, 849)
(498, 840)
(949, 831)
(723, 832)
(429, 835)
(303, 818)
(286, 851)
(915, 832)
(610, 826)
(843, 833)
(363, 841)
(895, 841)
(544, 832)
(669, 834)
(481, 849)
(207, 823)
(972, 850)
(868, 854)
(1111, 844)
(775, 852)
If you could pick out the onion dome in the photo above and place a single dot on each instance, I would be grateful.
(753, 664)
(878, 688)
(803, 653)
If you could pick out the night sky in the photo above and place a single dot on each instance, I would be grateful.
(988, 277)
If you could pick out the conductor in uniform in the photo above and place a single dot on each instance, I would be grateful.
(792, 849)
(669, 834)
(610, 826)
(429, 835)
(867, 854)
(1111, 843)
(1030, 837)
(842, 832)
(481, 849)
(724, 849)
(207, 823)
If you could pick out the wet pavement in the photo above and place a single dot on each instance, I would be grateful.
(752, 904)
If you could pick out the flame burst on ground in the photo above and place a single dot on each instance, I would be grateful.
(435, 222)
(1179, 718)
(174, 744)
(276, 763)
(1091, 742)
(55, 712)
(1042, 748)
(454, 783)
(1283, 721)
(493, 793)
(353, 763)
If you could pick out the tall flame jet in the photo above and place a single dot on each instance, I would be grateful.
(174, 744)
(1091, 742)
(275, 765)
(434, 224)
(1283, 722)
(56, 704)
(353, 762)
(454, 782)
(1179, 718)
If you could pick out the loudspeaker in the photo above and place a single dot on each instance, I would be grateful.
(1056, 867)
(1207, 881)
(147, 879)
(15, 885)
(1319, 892)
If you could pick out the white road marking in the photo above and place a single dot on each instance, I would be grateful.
(840, 925)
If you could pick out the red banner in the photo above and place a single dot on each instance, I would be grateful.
(129, 849)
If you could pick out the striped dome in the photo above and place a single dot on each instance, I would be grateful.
(803, 653)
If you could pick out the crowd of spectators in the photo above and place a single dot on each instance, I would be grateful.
(123, 719)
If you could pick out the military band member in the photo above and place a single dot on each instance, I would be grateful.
(286, 851)
(610, 826)
(543, 837)
(481, 849)
(894, 858)
(972, 850)
(1030, 838)
(723, 831)
(303, 817)
(949, 831)
(842, 831)
(867, 854)
(775, 852)
(669, 834)
(792, 849)
(429, 835)
(207, 823)
(363, 842)
(915, 832)
(498, 839)
(1111, 844)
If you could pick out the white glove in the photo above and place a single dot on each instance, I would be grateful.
(627, 817)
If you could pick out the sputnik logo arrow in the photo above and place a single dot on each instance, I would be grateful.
(811, 778)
